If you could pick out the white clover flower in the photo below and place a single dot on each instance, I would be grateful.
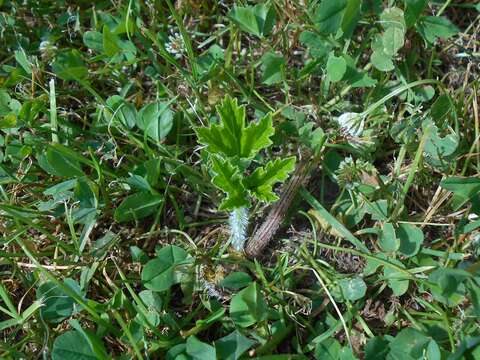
(352, 123)
(175, 45)
(46, 49)
(472, 216)
(46, 46)
(212, 290)
(210, 287)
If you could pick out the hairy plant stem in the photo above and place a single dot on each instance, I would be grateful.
(238, 221)
(276, 215)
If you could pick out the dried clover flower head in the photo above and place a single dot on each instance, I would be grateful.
(352, 173)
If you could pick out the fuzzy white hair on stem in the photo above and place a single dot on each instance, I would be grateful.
(238, 222)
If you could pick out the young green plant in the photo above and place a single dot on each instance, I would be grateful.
(232, 146)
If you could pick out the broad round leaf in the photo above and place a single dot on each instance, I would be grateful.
(409, 344)
(72, 346)
(393, 40)
(354, 288)
(236, 280)
(57, 305)
(328, 349)
(433, 27)
(248, 306)
(387, 238)
(153, 302)
(447, 285)
(232, 346)
(121, 111)
(199, 350)
(411, 239)
(376, 348)
(329, 14)
(94, 40)
(61, 163)
(336, 67)
(160, 273)
(110, 42)
(156, 119)
(396, 281)
(272, 68)
(137, 206)
(257, 20)
(382, 61)
(69, 65)
(393, 17)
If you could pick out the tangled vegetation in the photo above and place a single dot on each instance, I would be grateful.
(201, 179)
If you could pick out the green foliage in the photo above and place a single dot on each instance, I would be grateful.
(93, 40)
(273, 68)
(69, 65)
(229, 180)
(120, 110)
(434, 27)
(125, 127)
(77, 345)
(57, 305)
(386, 45)
(396, 279)
(439, 148)
(156, 120)
(236, 280)
(353, 289)
(257, 20)
(248, 306)
(336, 67)
(329, 14)
(198, 350)
(260, 182)
(137, 206)
(231, 142)
(233, 138)
(232, 346)
(61, 163)
(387, 238)
(411, 239)
(464, 188)
(162, 272)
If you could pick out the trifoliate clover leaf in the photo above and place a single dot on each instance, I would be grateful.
(231, 138)
(393, 18)
(257, 20)
(434, 27)
(261, 181)
(229, 179)
(437, 148)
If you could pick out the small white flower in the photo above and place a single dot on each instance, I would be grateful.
(46, 49)
(44, 45)
(212, 290)
(472, 216)
(352, 123)
(175, 45)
